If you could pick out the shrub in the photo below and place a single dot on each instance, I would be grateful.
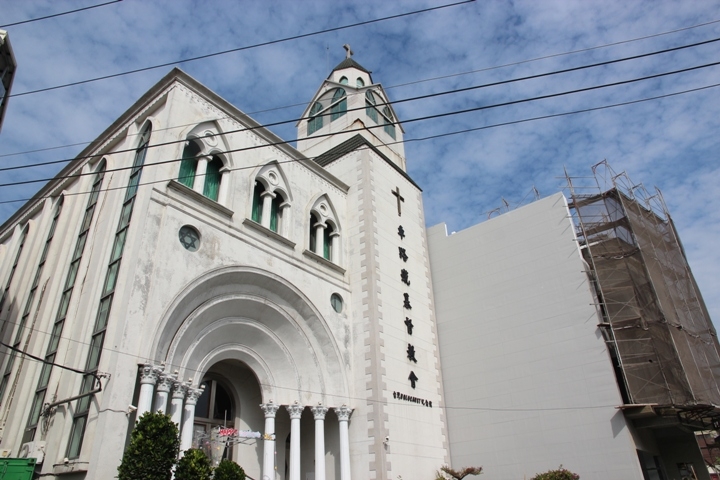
(228, 470)
(153, 449)
(559, 474)
(194, 465)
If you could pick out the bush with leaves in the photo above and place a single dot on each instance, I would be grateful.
(228, 470)
(153, 449)
(559, 474)
(194, 465)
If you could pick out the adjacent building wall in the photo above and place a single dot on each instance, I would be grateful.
(527, 378)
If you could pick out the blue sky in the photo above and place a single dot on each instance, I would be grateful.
(672, 143)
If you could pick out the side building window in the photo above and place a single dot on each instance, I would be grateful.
(61, 314)
(21, 330)
(271, 199)
(315, 122)
(97, 340)
(23, 237)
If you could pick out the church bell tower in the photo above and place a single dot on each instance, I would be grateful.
(349, 103)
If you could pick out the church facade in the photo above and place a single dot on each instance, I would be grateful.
(190, 261)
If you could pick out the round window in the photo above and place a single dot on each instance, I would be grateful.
(337, 302)
(189, 238)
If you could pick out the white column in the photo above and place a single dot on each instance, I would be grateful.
(176, 404)
(268, 471)
(319, 238)
(267, 198)
(335, 247)
(295, 410)
(319, 413)
(186, 434)
(224, 179)
(162, 390)
(148, 378)
(284, 219)
(200, 172)
(343, 415)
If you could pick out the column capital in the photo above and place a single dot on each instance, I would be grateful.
(295, 410)
(165, 382)
(319, 411)
(268, 193)
(269, 409)
(193, 394)
(343, 413)
(149, 374)
(321, 225)
(179, 390)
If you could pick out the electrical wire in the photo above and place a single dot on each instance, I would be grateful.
(403, 84)
(412, 120)
(420, 139)
(59, 14)
(238, 49)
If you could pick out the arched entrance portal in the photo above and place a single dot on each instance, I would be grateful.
(266, 356)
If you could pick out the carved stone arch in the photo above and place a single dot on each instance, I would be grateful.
(324, 209)
(258, 318)
(210, 137)
(273, 178)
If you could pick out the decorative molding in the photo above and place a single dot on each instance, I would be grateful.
(319, 411)
(269, 233)
(295, 410)
(343, 413)
(323, 261)
(190, 193)
(269, 409)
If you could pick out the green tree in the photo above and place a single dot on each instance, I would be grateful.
(228, 470)
(153, 449)
(559, 474)
(194, 465)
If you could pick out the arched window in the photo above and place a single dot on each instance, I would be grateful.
(339, 104)
(313, 232)
(213, 178)
(324, 233)
(188, 166)
(257, 202)
(343, 80)
(315, 122)
(327, 242)
(389, 123)
(370, 109)
(270, 198)
(360, 82)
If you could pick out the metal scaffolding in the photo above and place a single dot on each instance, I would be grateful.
(654, 320)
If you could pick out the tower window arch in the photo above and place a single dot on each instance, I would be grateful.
(389, 124)
(360, 82)
(315, 122)
(370, 109)
(339, 104)
(344, 80)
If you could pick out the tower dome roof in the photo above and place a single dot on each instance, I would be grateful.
(350, 63)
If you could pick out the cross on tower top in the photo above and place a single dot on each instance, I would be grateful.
(348, 52)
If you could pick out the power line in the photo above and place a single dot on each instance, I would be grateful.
(420, 139)
(407, 83)
(248, 47)
(59, 14)
(409, 99)
(412, 120)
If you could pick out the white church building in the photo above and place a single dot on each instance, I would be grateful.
(192, 262)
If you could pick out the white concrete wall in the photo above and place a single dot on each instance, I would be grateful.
(528, 381)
